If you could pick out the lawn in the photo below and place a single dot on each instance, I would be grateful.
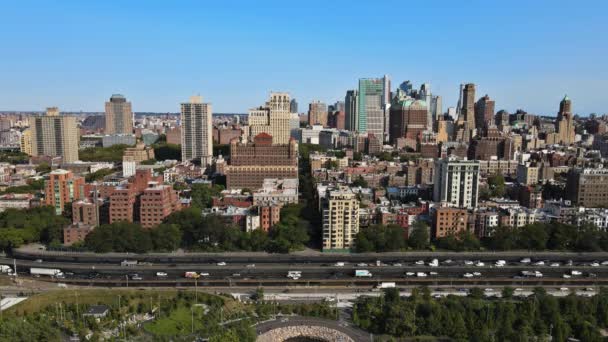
(179, 322)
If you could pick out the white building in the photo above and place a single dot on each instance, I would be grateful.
(456, 182)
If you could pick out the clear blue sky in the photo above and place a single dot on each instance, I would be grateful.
(75, 54)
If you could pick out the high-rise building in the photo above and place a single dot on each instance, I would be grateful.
(293, 106)
(436, 110)
(55, 135)
(484, 112)
(251, 163)
(25, 142)
(273, 118)
(317, 113)
(426, 95)
(456, 182)
(119, 115)
(61, 188)
(408, 118)
(340, 209)
(565, 122)
(197, 131)
(351, 104)
(466, 116)
(371, 106)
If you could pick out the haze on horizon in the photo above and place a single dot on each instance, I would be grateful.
(524, 54)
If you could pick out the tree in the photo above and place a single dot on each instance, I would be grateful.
(360, 182)
(202, 194)
(507, 292)
(496, 182)
(164, 151)
(166, 237)
(420, 236)
(43, 168)
(119, 237)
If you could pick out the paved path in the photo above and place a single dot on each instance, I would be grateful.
(6, 303)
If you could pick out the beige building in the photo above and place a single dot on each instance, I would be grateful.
(527, 174)
(340, 208)
(317, 113)
(119, 116)
(25, 142)
(273, 118)
(55, 135)
(197, 131)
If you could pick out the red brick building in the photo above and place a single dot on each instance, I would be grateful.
(157, 202)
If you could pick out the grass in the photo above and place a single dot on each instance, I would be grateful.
(88, 297)
(179, 322)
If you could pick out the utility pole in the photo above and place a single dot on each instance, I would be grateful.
(15, 267)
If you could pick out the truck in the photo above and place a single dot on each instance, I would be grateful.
(363, 273)
(434, 263)
(387, 285)
(295, 275)
(51, 272)
(127, 263)
(5, 269)
(191, 275)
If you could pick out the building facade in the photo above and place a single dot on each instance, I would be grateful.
(55, 135)
(119, 115)
(340, 211)
(197, 131)
(61, 188)
(273, 118)
(456, 182)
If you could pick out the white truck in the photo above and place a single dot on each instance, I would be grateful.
(5, 269)
(51, 272)
(387, 285)
(295, 275)
(434, 263)
(363, 274)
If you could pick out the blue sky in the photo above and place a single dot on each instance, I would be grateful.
(75, 54)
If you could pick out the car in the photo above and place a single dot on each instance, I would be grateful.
(477, 274)
(136, 277)
(519, 289)
(594, 264)
(433, 274)
(569, 263)
(539, 263)
(479, 264)
(236, 274)
(500, 263)
(554, 264)
(589, 289)
(398, 264)
(161, 274)
(576, 273)
(284, 320)
(604, 263)
(420, 262)
(448, 261)
(525, 261)
(38, 260)
(421, 274)
(410, 274)
(566, 276)
(250, 265)
(203, 274)
(221, 263)
(467, 275)
(564, 289)
(362, 264)
(488, 290)
(468, 262)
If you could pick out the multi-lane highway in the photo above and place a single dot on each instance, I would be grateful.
(581, 271)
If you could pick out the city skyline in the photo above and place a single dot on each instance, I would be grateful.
(527, 62)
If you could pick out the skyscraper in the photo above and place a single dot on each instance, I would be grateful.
(466, 117)
(565, 122)
(55, 135)
(293, 106)
(119, 116)
(484, 112)
(317, 113)
(371, 106)
(456, 182)
(426, 95)
(273, 118)
(197, 137)
(351, 103)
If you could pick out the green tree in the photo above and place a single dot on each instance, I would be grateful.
(119, 237)
(202, 194)
(166, 237)
(496, 182)
(420, 236)
(360, 181)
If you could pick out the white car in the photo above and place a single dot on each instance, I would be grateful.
(251, 266)
(595, 264)
(468, 262)
(539, 263)
(434, 263)
(161, 274)
(604, 263)
(468, 275)
(339, 264)
(477, 274)
(563, 289)
(410, 274)
(576, 273)
(203, 274)
(221, 263)
(500, 263)
(554, 264)
(362, 264)
(420, 274)
(433, 274)
(525, 261)
(489, 290)
(448, 261)
(479, 264)
(420, 262)
(397, 264)
(566, 276)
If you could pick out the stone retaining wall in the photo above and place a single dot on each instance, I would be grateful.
(315, 332)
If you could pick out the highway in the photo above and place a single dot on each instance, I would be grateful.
(404, 273)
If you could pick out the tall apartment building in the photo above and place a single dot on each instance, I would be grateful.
(456, 182)
(119, 115)
(25, 142)
(527, 173)
(371, 113)
(588, 187)
(251, 163)
(157, 202)
(565, 122)
(123, 204)
(484, 112)
(340, 209)
(351, 104)
(408, 118)
(62, 187)
(466, 116)
(55, 135)
(317, 113)
(273, 118)
(197, 131)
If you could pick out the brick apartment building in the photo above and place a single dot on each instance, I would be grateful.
(157, 202)
(62, 187)
(449, 221)
(250, 163)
